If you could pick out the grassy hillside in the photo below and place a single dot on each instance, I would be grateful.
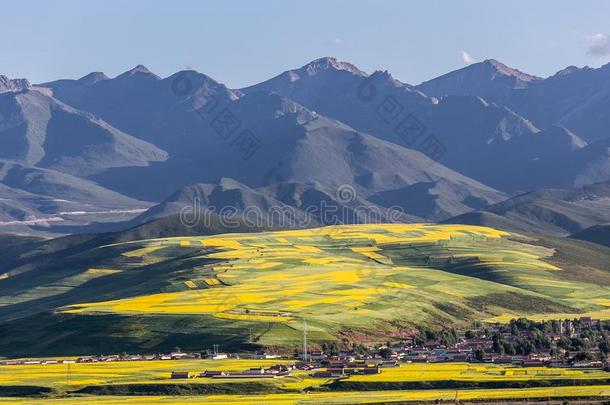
(359, 282)
(597, 234)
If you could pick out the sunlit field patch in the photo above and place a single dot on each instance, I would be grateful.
(397, 285)
(254, 317)
(143, 251)
(477, 372)
(225, 243)
(101, 272)
(211, 281)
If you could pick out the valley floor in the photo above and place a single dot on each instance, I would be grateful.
(74, 383)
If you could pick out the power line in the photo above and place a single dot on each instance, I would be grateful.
(304, 340)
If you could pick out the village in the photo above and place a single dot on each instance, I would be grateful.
(578, 343)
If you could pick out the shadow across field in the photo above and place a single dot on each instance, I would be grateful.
(346, 385)
(233, 388)
(139, 280)
(73, 335)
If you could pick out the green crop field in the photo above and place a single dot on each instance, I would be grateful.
(363, 282)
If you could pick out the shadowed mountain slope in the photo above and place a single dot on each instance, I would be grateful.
(599, 234)
(482, 140)
(547, 211)
(38, 130)
(576, 98)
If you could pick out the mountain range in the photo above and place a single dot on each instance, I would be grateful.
(484, 144)
(548, 211)
(576, 98)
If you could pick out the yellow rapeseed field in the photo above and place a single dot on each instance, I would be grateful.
(158, 372)
(326, 273)
(337, 398)
(477, 372)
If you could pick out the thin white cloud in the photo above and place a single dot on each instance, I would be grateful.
(337, 41)
(467, 58)
(599, 44)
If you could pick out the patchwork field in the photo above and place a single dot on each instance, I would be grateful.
(351, 281)
(79, 381)
(158, 372)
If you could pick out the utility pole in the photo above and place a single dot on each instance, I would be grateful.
(69, 374)
(304, 340)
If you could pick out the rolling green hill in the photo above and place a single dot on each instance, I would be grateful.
(596, 234)
(354, 282)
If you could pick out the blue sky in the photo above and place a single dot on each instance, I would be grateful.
(244, 42)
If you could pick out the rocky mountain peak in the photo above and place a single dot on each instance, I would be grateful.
(329, 63)
(13, 85)
(505, 70)
(139, 70)
(93, 77)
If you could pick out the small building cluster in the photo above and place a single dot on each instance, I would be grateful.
(139, 357)
(579, 343)
(275, 371)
